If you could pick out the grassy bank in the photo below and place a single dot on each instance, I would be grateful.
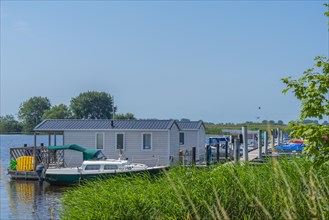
(276, 190)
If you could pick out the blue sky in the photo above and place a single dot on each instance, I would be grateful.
(217, 61)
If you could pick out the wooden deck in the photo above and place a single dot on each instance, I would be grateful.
(42, 156)
(23, 175)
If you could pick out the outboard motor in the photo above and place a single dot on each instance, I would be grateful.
(39, 170)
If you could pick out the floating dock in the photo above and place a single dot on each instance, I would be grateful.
(23, 175)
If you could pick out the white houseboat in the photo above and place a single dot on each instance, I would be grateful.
(151, 142)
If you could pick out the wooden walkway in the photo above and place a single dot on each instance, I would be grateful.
(252, 155)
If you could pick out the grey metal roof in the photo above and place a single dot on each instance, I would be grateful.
(102, 124)
(190, 125)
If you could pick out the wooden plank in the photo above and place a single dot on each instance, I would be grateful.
(253, 154)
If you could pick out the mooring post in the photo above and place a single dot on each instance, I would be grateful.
(259, 143)
(236, 150)
(265, 143)
(193, 155)
(245, 142)
(272, 140)
(278, 136)
(208, 154)
(226, 150)
(217, 155)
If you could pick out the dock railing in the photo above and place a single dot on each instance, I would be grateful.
(41, 155)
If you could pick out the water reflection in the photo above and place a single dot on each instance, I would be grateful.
(31, 200)
(25, 199)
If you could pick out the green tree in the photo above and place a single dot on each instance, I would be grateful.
(185, 120)
(272, 122)
(92, 105)
(312, 89)
(60, 111)
(32, 110)
(8, 124)
(125, 116)
(280, 122)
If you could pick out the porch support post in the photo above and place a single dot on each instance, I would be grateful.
(34, 151)
(49, 139)
(35, 139)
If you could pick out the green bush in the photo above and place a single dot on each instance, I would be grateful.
(285, 189)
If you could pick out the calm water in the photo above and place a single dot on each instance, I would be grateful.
(26, 199)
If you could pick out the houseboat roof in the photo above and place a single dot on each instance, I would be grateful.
(103, 124)
(190, 125)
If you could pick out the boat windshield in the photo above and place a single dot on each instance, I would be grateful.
(99, 156)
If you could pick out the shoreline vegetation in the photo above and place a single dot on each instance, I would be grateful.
(277, 189)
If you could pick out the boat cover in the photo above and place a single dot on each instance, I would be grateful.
(87, 154)
(291, 147)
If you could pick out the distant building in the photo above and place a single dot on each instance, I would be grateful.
(236, 133)
(252, 135)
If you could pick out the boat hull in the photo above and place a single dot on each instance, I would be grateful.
(79, 178)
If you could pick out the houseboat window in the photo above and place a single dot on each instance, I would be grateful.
(147, 141)
(99, 141)
(110, 167)
(93, 167)
(181, 138)
(120, 141)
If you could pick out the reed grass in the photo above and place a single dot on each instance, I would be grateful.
(284, 189)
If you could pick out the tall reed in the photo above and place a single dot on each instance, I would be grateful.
(285, 189)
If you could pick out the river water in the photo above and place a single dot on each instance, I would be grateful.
(26, 199)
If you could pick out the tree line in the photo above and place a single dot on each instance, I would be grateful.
(87, 105)
(99, 105)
